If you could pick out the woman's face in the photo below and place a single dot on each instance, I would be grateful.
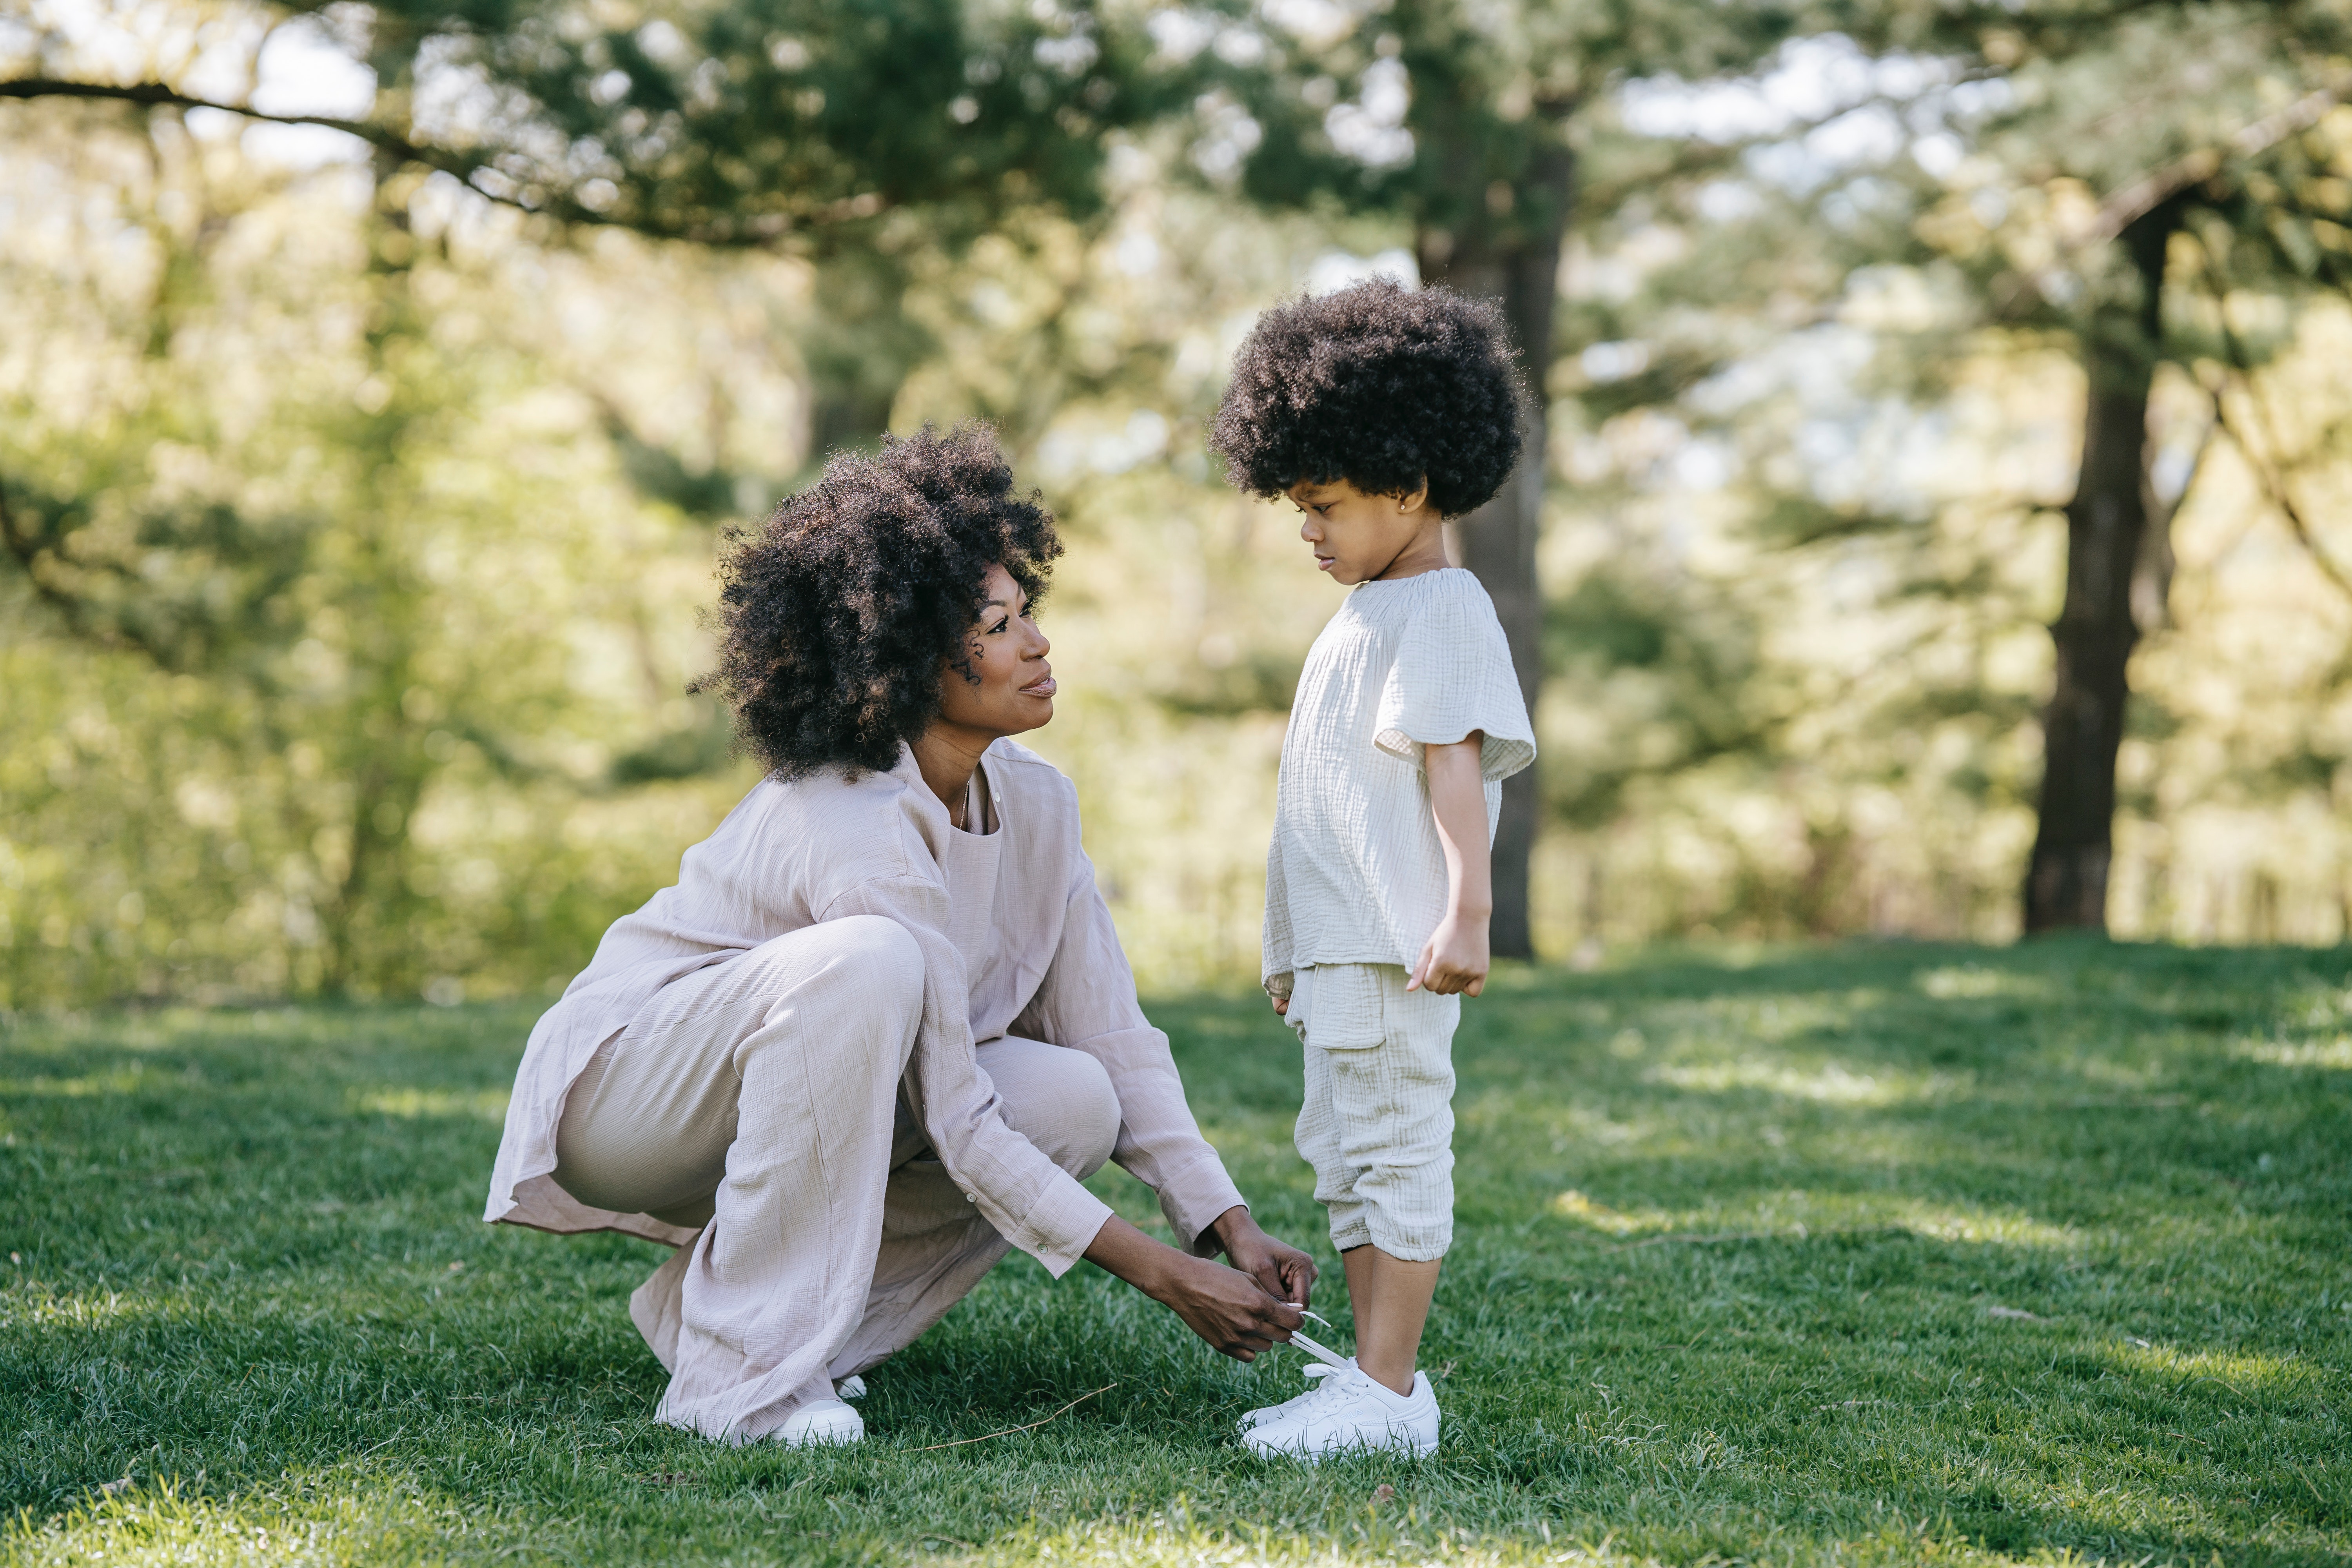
(1013, 691)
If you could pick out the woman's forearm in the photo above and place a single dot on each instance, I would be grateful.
(1226, 1307)
(1457, 798)
(1119, 1248)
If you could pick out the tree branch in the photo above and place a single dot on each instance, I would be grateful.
(2152, 190)
(760, 232)
(2137, 200)
(157, 95)
(2272, 479)
(29, 550)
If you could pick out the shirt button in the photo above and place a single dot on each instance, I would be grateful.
(970, 1198)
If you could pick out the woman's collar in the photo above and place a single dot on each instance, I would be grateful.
(910, 774)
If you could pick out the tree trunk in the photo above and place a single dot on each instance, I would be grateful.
(859, 347)
(2067, 883)
(1519, 266)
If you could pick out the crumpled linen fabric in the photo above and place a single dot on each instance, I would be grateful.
(760, 1100)
(1377, 1119)
(1013, 938)
(1355, 873)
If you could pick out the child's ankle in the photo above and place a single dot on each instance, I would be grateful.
(1385, 1377)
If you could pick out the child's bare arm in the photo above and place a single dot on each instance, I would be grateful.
(1455, 960)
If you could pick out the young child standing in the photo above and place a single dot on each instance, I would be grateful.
(1381, 412)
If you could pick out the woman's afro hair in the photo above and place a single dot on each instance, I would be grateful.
(1380, 385)
(839, 614)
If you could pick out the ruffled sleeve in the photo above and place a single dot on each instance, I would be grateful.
(1452, 675)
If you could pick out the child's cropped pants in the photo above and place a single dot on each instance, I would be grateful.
(1378, 1121)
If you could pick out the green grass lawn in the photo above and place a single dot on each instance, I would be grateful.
(1876, 1254)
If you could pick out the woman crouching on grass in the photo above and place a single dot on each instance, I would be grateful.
(881, 1028)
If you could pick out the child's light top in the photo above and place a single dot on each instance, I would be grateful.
(1356, 873)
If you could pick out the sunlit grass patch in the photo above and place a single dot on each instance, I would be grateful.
(1574, 1206)
(1951, 981)
(1792, 1261)
(1800, 1215)
(488, 1104)
(124, 1080)
(335, 1521)
(2240, 1374)
(1831, 1083)
(2335, 1054)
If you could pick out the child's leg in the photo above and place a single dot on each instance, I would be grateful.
(1392, 1297)
(1390, 1082)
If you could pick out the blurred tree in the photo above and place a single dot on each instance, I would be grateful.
(2173, 151)
(852, 134)
(1468, 123)
(2229, 156)
(304, 563)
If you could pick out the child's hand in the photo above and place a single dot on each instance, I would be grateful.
(1277, 991)
(1454, 961)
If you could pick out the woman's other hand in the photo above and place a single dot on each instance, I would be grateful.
(1224, 1306)
(1227, 1307)
(1286, 1273)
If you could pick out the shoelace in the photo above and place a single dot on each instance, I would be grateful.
(1332, 1360)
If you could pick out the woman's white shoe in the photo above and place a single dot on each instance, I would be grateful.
(820, 1421)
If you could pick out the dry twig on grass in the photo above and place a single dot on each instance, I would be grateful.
(1008, 1432)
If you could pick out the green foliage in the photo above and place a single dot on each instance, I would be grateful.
(357, 525)
(797, 123)
(300, 645)
(1878, 1255)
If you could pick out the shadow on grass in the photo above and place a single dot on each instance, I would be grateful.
(1732, 1240)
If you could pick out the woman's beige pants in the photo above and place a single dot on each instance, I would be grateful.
(760, 1099)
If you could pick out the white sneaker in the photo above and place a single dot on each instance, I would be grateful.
(850, 1387)
(820, 1421)
(1270, 1412)
(1352, 1412)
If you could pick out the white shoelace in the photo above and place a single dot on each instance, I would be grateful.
(1341, 1386)
(1324, 1353)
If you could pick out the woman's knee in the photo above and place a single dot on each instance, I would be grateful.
(872, 959)
(1060, 1100)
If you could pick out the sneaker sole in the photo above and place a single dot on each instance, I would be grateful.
(1414, 1446)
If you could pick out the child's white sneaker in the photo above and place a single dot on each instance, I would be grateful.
(1350, 1413)
(820, 1421)
(1269, 1413)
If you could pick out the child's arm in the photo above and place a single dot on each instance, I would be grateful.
(1455, 959)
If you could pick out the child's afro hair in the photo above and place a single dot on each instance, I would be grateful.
(1380, 385)
(838, 615)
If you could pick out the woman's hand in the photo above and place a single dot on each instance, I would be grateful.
(1224, 1306)
(1286, 1272)
(1227, 1307)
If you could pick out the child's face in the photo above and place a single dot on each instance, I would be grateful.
(1358, 538)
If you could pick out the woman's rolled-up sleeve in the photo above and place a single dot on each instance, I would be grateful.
(1032, 1202)
(1086, 1002)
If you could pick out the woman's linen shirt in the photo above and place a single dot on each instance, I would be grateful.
(1015, 940)
(1356, 873)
